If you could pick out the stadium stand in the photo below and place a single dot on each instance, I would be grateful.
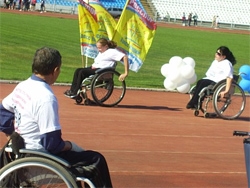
(232, 13)
(67, 6)
(229, 11)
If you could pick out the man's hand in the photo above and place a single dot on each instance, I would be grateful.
(8, 136)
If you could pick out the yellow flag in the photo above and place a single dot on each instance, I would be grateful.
(88, 29)
(105, 21)
(134, 34)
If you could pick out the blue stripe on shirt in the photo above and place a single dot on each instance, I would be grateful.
(6, 120)
(52, 141)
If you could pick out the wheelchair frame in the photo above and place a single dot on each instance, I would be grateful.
(230, 107)
(246, 144)
(39, 169)
(104, 87)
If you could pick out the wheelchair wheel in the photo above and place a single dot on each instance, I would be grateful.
(78, 99)
(35, 172)
(196, 112)
(232, 105)
(106, 89)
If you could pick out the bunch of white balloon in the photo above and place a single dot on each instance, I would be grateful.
(179, 74)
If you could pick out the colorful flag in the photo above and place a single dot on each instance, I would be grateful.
(105, 21)
(88, 29)
(134, 34)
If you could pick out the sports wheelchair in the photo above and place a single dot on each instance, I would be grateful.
(212, 105)
(104, 87)
(39, 169)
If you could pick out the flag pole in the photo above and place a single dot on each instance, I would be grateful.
(86, 58)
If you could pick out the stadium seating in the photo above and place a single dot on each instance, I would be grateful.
(72, 3)
(229, 11)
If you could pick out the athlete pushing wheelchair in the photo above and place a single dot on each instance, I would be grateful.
(107, 57)
(219, 89)
(33, 108)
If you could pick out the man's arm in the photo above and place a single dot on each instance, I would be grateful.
(7, 121)
(53, 143)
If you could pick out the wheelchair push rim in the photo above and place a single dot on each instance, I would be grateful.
(232, 105)
(37, 172)
(106, 89)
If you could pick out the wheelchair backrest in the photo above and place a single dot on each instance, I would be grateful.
(106, 69)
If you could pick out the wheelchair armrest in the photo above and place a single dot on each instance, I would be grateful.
(8, 149)
(104, 69)
(47, 155)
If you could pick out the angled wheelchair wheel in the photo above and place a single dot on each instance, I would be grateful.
(232, 105)
(35, 172)
(106, 89)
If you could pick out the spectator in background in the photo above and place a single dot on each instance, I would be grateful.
(13, 7)
(213, 21)
(168, 17)
(19, 4)
(24, 5)
(10, 3)
(183, 19)
(33, 5)
(42, 6)
(217, 22)
(195, 17)
(189, 19)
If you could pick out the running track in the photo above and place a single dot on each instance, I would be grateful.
(151, 140)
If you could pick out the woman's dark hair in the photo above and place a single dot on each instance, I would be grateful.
(226, 52)
(110, 43)
(46, 60)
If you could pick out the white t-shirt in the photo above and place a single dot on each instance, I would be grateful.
(219, 70)
(107, 58)
(36, 111)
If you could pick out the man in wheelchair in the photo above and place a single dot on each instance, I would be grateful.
(220, 69)
(107, 57)
(31, 110)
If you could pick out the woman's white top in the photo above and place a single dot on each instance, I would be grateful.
(107, 58)
(219, 70)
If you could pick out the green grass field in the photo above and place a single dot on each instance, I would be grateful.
(21, 35)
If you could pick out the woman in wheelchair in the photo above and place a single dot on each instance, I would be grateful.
(33, 108)
(220, 69)
(107, 57)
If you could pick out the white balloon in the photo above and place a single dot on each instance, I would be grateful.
(174, 75)
(193, 79)
(169, 85)
(184, 88)
(189, 61)
(176, 61)
(187, 71)
(182, 82)
(165, 69)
